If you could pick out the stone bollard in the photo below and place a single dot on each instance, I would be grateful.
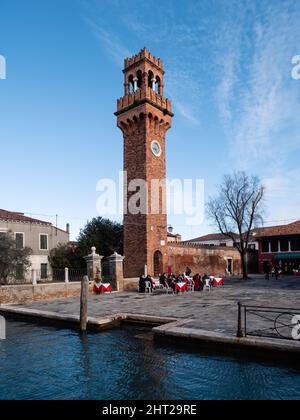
(66, 275)
(93, 262)
(116, 271)
(34, 277)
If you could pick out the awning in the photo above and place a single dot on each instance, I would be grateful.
(288, 256)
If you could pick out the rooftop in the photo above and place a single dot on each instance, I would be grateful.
(211, 237)
(282, 230)
(20, 217)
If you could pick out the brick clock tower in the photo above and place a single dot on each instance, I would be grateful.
(144, 115)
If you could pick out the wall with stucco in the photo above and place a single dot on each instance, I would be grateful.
(27, 293)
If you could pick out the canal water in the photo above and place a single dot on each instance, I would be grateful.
(48, 363)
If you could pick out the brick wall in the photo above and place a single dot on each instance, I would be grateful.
(144, 233)
(203, 259)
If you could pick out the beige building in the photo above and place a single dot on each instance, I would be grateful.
(174, 238)
(36, 234)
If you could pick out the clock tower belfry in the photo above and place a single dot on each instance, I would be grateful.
(144, 116)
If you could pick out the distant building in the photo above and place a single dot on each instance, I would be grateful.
(36, 234)
(213, 239)
(218, 239)
(279, 245)
(174, 238)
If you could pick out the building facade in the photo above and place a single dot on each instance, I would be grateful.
(38, 235)
(223, 241)
(218, 239)
(212, 239)
(279, 245)
(174, 238)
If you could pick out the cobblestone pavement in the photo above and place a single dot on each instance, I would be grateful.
(215, 311)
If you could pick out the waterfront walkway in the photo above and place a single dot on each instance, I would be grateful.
(214, 313)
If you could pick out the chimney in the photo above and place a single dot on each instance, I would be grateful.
(68, 228)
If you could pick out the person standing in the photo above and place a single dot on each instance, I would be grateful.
(150, 280)
(277, 269)
(142, 284)
(267, 271)
(163, 280)
(196, 280)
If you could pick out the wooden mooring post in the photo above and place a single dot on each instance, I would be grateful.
(84, 303)
(240, 328)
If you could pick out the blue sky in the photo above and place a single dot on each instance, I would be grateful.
(228, 71)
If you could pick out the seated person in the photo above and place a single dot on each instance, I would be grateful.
(170, 280)
(142, 284)
(149, 278)
(163, 279)
(197, 282)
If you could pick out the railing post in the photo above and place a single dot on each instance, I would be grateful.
(66, 275)
(34, 277)
(240, 328)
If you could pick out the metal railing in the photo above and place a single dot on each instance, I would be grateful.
(68, 275)
(268, 322)
(55, 275)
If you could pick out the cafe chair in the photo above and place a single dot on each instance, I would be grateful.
(207, 285)
(148, 287)
(191, 286)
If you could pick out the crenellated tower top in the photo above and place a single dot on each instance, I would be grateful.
(144, 54)
(143, 83)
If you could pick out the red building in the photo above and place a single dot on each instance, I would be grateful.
(279, 245)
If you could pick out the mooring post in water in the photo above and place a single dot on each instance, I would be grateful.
(84, 303)
(240, 329)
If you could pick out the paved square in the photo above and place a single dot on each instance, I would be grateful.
(215, 311)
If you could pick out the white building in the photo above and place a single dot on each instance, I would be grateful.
(36, 234)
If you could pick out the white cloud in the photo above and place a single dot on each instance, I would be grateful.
(255, 95)
(110, 42)
(229, 60)
(186, 112)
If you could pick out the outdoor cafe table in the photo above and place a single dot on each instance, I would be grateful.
(106, 287)
(218, 281)
(181, 287)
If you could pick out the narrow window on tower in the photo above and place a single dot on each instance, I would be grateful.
(151, 80)
(131, 83)
(139, 76)
(157, 85)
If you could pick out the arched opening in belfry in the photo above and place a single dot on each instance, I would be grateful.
(150, 79)
(158, 85)
(139, 76)
(131, 83)
(158, 263)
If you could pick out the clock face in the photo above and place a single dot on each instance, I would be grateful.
(156, 149)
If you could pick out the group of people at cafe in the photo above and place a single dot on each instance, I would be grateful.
(171, 281)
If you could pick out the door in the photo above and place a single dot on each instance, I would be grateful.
(229, 266)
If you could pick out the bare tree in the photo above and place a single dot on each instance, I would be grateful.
(237, 209)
